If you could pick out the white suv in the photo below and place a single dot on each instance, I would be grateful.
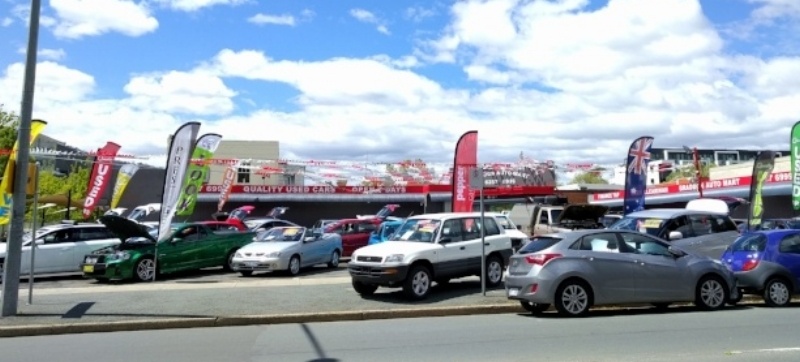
(428, 248)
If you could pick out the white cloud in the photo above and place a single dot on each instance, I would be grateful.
(81, 18)
(195, 5)
(181, 92)
(612, 74)
(262, 19)
(769, 10)
(6, 22)
(52, 54)
(419, 13)
(368, 17)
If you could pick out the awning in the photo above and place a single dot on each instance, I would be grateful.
(775, 189)
(435, 197)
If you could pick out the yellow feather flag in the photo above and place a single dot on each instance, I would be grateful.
(37, 126)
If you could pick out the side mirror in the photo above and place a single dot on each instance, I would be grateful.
(675, 235)
(676, 252)
(519, 227)
(309, 239)
(175, 240)
(445, 241)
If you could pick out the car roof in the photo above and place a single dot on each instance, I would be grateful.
(448, 215)
(775, 233)
(669, 213)
(582, 232)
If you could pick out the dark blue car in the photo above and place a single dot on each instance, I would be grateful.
(767, 263)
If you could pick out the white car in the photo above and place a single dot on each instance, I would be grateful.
(428, 248)
(518, 238)
(60, 248)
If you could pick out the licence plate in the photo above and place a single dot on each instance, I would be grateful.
(513, 292)
(251, 264)
(88, 268)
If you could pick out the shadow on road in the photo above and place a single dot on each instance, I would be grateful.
(305, 272)
(316, 345)
(630, 311)
(438, 293)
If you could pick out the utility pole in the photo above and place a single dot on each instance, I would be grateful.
(14, 253)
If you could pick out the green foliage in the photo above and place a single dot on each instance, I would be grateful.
(688, 171)
(52, 185)
(590, 178)
(8, 133)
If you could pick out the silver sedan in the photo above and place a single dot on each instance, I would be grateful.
(580, 269)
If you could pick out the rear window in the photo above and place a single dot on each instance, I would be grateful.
(538, 244)
(750, 242)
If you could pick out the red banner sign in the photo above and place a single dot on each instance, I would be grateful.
(707, 185)
(355, 190)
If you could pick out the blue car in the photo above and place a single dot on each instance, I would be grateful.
(384, 231)
(766, 263)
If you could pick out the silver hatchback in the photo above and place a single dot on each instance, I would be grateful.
(577, 270)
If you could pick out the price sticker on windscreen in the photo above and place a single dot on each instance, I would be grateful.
(291, 232)
(652, 223)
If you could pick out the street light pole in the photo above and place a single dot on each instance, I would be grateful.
(14, 244)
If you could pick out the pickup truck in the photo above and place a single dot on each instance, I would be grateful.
(431, 248)
(190, 246)
(553, 219)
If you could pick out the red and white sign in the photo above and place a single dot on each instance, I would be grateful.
(354, 190)
(707, 185)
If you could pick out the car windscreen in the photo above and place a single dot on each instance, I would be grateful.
(505, 223)
(388, 230)
(420, 230)
(648, 225)
(282, 234)
(538, 244)
(750, 242)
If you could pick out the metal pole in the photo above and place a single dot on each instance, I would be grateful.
(698, 171)
(483, 246)
(33, 235)
(14, 244)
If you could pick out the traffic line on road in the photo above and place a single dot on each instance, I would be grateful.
(267, 283)
(767, 350)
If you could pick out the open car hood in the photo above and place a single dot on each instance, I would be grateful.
(276, 212)
(124, 228)
(239, 213)
(382, 214)
(582, 212)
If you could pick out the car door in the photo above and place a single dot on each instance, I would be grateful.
(611, 271)
(454, 258)
(789, 255)
(363, 230)
(89, 239)
(660, 276)
(209, 250)
(179, 252)
(313, 250)
(350, 237)
(705, 242)
(54, 255)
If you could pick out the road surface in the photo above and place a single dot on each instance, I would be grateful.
(742, 334)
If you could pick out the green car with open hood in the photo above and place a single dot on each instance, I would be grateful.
(190, 246)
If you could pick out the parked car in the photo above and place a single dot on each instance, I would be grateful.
(385, 230)
(355, 233)
(288, 248)
(703, 227)
(431, 248)
(518, 238)
(767, 263)
(609, 219)
(60, 247)
(580, 269)
(191, 246)
(322, 224)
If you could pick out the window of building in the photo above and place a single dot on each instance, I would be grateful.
(243, 173)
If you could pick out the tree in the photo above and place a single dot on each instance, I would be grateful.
(688, 171)
(52, 185)
(588, 177)
(8, 133)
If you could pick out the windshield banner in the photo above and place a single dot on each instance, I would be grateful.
(465, 159)
(762, 168)
(636, 174)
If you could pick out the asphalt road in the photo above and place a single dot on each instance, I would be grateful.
(744, 334)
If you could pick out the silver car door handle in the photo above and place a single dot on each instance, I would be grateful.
(590, 258)
(462, 248)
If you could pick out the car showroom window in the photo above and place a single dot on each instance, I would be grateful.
(452, 230)
(790, 244)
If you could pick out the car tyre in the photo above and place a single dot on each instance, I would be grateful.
(144, 269)
(246, 273)
(364, 289)
(534, 308)
(573, 298)
(294, 266)
(334, 262)
(229, 261)
(711, 293)
(777, 293)
(418, 283)
(494, 271)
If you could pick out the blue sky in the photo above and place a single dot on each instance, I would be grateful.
(431, 71)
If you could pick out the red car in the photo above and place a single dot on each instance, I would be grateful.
(355, 232)
(224, 225)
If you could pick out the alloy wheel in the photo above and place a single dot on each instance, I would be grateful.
(146, 269)
(420, 283)
(779, 293)
(494, 272)
(712, 293)
(294, 266)
(575, 299)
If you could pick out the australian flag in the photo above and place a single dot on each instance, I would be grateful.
(636, 174)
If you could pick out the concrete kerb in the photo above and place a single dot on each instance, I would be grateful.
(244, 320)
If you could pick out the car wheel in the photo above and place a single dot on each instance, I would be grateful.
(229, 261)
(573, 299)
(294, 265)
(334, 262)
(418, 283)
(246, 273)
(364, 289)
(145, 269)
(711, 293)
(494, 272)
(534, 308)
(777, 293)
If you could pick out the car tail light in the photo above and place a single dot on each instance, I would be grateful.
(750, 264)
(541, 259)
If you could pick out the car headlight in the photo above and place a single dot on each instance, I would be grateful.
(120, 255)
(237, 255)
(274, 255)
(394, 258)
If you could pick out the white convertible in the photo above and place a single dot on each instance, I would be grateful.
(60, 248)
